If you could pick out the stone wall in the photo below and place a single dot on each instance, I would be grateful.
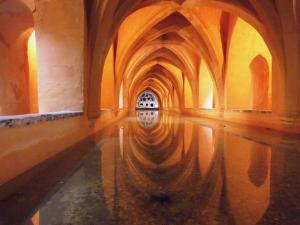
(60, 44)
(16, 22)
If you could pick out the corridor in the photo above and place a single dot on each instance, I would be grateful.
(149, 112)
(155, 168)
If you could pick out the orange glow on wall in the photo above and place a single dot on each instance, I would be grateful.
(206, 87)
(36, 218)
(177, 73)
(246, 44)
(33, 78)
(188, 96)
(107, 83)
(260, 86)
(176, 100)
(121, 97)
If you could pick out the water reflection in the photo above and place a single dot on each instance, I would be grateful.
(147, 119)
(175, 171)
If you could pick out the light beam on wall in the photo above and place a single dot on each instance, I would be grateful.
(33, 78)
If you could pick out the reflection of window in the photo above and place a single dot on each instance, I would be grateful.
(147, 100)
(147, 119)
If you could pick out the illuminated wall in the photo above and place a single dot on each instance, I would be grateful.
(33, 76)
(206, 87)
(261, 98)
(60, 50)
(243, 73)
(107, 83)
(16, 24)
(246, 44)
(188, 96)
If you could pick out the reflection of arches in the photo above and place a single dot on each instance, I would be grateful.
(258, 168)
(121, 97)
(147, 100)
(260, 82)
(155, 167)
(206, 87)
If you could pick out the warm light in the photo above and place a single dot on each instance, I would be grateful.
(33, 79)
(36, 218)
(107, 83)
(121, 96)
(205, 87)
(188, 96)
(246, 44)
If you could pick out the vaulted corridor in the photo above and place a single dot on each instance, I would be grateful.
(149, 112)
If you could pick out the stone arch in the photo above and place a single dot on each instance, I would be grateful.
(119, 11)
(166, 84)
(157, 71)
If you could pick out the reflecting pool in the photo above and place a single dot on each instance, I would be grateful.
(162, 169)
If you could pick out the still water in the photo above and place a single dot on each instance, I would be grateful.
(161, 169)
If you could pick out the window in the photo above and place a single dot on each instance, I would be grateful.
(147, 100)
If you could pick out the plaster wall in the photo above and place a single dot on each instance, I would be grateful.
(245, 45)
(206, 87)
(60, 45)
(108, 82)
(32, 76)
(15, 24)
(188, 96)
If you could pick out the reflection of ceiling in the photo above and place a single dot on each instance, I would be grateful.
(162, 164)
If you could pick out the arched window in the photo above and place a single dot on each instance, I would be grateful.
(147, 100)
